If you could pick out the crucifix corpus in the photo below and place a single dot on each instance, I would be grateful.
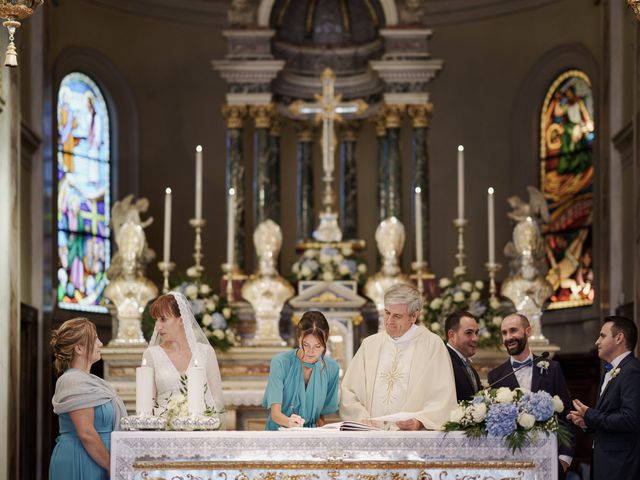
(328, 109)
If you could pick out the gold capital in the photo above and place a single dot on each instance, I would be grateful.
(233, 115)
(262, 115)
(420, 114)
(304, 132)
(276, 126)
(393, 115)
(349, 130)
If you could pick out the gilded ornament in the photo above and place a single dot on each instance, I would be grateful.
(420, 114)
(233, 115)
(393, 115)
(276, 126)
(262, 115)
(357, 320)
(635, 6)
(380, 125)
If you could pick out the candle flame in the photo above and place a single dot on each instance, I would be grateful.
(199, 148)
(167, 190)
(460, 148)
(418, 190)
(195, 363)
(232, 191)
(490, 190)
(144, 362)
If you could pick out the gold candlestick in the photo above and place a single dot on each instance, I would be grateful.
(460, 223)
(196, 270)
(492, 269)
(228, 270)
(166, 268)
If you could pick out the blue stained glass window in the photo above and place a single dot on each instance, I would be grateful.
(567, 134)
(84, 202)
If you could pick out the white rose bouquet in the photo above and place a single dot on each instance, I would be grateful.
(329, 264)
(458, 293)
(515, 415)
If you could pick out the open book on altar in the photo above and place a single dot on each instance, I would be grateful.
(345, 426)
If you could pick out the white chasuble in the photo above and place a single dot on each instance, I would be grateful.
(394, 368)
(411, 374)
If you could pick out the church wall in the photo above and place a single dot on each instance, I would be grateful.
(178, 98)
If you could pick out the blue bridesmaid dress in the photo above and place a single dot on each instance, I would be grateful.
(286, 387)
(69, 460)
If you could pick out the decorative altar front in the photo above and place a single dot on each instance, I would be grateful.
(321, 454)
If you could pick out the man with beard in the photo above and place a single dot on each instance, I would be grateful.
(615, 420)
(462, 342)
(523, 370)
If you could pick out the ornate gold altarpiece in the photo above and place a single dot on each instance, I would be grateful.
(320, 454)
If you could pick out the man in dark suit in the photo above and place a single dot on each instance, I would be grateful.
(462, 342)
(533, 373)
(615, 420)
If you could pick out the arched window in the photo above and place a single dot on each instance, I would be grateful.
(567, 134)
(84, 200)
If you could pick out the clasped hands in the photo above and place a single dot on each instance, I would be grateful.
(577, 415)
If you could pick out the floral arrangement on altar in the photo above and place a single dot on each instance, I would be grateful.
(458, 293)
(329, 264)
(515, 415)
(177, 409)
(211, 311)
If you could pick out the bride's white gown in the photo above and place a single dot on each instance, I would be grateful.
(167, 377)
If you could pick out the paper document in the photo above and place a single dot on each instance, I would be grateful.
(396, 417)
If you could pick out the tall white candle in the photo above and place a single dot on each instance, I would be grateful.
(418, 204)
(167, 226)
(198, 182)
(491, 221)
(195, 389)
(144, 389)
(231, 226)
(460, 181)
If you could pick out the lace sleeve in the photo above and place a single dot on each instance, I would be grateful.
(214, 379)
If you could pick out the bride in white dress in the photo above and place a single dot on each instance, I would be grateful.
(177, 344)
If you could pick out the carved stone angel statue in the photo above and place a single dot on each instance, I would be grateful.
(128, 288)
(390, 238)
(526, 285)
(266, 290)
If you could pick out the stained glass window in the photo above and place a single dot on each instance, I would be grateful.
(567, 134)
(84, 203)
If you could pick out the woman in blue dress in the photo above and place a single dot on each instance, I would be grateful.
(303, 383)
(88, 408)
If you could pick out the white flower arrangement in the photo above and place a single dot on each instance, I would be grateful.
(515, 415)
(329, 264)
(457, 294)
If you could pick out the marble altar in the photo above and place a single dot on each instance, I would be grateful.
(318, 454)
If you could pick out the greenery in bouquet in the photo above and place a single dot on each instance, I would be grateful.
(329, 264)
(517, 415)
(178, 406)
(458, 293)
(211, 311)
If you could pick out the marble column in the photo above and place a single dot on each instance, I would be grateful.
(419, 115)
(393, 121)
(261, 115)
(273, 197)
(383, 167)
(348, 180)
(304, 211)
(10, 295)
(234, 115)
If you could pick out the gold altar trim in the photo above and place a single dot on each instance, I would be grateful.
(329, 465)
(355, 245)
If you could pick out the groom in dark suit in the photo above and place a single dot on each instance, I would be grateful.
(615, 419)
(462, 342)
(533, 373)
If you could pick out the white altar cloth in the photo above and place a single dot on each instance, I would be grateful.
(310, 455)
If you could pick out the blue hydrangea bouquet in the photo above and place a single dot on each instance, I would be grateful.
(515, 415)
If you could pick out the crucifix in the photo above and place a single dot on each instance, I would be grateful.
(328, 109)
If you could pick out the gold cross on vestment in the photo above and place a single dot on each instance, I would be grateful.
(327, 109)
(392, 376)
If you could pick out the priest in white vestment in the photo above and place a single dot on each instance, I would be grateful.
(406, 368)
